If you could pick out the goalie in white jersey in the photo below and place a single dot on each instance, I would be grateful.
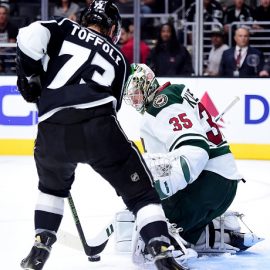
(194, 170)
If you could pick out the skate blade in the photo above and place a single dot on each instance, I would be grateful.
(250, 239)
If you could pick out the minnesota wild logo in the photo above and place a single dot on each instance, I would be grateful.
(160, 101)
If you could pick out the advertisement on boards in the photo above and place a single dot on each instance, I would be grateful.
(246, 123)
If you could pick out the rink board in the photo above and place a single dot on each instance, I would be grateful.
(246, 125)
(240, 151)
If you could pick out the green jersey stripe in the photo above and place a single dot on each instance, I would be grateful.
(185, 169)
(185, 137)
(219, 151)
(194, 142)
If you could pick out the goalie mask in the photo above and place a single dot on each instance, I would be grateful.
(141, 87)
(105, 14)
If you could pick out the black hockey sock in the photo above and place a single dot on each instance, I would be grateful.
(47, 220)
(153, 230)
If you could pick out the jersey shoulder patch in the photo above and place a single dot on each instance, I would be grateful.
(168, 96)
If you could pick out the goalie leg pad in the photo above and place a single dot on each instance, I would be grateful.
(124, 226)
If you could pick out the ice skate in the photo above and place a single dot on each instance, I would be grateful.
(243, 241)
(39, 252)
(163, 257)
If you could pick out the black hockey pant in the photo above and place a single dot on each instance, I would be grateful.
(97, 139)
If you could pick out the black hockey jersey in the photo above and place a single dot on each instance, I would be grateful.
(81, 68)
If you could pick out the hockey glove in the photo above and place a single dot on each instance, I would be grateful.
(30, 90)
(168, 173)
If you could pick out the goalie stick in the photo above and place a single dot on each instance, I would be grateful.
(232, 103)
(93, 247)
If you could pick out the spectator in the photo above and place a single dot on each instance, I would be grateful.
(262, 13)
(241, 60)
(127, 44)
(169, 57)
(8, 34)
(12, 5)
(224, 4)
(218, 47)
(238, 12)
(5, 3)
(174, 5)
(8, 31)
(266, 69)
(212, 11)
(66, 8)
(87, 3)
(148, 6)
(126, 6)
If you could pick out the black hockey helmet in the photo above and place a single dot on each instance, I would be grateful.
(104, 13)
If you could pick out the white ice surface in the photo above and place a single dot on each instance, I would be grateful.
(97, 202)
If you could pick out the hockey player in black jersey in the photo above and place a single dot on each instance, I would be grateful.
(76, 75)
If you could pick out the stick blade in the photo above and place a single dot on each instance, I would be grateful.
(72, 241)
(69, 240)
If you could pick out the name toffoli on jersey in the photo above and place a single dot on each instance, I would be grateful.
(84, 34)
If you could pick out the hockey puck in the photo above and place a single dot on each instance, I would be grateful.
(95, 258)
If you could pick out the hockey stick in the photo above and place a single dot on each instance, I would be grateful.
(93, 247)
(232, 103)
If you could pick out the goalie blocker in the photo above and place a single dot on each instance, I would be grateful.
(223, 235)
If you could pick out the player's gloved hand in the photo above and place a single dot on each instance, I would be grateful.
(30, 90)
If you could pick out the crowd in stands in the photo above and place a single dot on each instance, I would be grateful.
(166, 44)
(168, 57)
(126, 43)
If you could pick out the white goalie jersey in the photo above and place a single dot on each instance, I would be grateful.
(179, 128)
